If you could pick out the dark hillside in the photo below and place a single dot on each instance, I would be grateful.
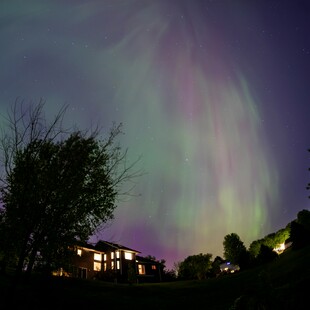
(282, 284)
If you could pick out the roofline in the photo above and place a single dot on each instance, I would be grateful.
(119, 246)
(115, 246)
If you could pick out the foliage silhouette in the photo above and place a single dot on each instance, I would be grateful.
(195, 267)
(234, 249)
(300, 230)
(59, 186)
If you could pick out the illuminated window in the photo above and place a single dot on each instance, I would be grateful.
(153, 267)
(97, 257)
(104, 257)
(128, 255)
(112, 264)
(97, 266)
(105, 266)
(117, 254)
(79, 252)
(117, 265)
(112, 255)
(141, 269)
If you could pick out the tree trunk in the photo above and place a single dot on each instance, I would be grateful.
(30, 264)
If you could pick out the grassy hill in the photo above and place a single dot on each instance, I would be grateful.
(281, 284)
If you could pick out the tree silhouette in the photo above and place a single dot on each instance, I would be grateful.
(195, 267)
(216, 269)
(300, 229)
(271, 240)
(234, 249)
(266, 254)
(58, 187)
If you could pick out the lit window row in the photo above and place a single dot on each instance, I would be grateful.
(98, 256)
(98, 259)
(115, 254)
(141, 268)
(112, 265)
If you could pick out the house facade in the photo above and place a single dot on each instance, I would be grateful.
(112, 262)
(227, 267)
(283, 246)
(148, 270)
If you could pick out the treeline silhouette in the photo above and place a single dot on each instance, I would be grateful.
(295, 235)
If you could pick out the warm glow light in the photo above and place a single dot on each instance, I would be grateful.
(117, 265)
(141, 269)
(97, 257)
(128, 255)
(97, 266)
(280, 248)
(228, 267)
(79, 252)
(117, 254)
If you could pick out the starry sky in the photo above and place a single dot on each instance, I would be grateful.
(212, 94)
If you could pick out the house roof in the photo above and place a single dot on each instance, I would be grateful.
(84, 245)
(105, 245)
(146, 260)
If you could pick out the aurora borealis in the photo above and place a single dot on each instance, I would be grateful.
(213, 95)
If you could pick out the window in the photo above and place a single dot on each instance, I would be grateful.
(82, 273)
(104, 257)
(105, 266)
(112, 264)
(128, 255)
(79, 252)
(117, 265)
(97, 257)
(112, 255)
(117, 254)
(153, 267)
(97, 266)
(141, 269)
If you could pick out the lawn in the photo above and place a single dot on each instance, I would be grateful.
(282, 284)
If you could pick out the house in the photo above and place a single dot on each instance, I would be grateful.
(227, 267)
(149, 270)
(112, 262)
(283, 246)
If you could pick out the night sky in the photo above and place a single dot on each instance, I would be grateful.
(213, 95)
